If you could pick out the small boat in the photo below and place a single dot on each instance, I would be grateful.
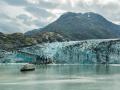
(28, 67)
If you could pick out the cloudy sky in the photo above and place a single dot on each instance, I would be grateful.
(24, 15)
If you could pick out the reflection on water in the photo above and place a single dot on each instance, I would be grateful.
(60, 77)
(102, 69)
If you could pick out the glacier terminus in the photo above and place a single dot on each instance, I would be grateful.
(95, 51)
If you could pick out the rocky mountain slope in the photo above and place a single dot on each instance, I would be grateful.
(80, 26)
(19, 40)
(15, 40)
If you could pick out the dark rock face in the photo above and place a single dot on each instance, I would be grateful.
(80, 26)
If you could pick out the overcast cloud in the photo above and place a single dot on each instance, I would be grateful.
(24, 15)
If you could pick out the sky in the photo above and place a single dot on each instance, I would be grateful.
(25, 15)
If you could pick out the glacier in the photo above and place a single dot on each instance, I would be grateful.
(95, 51)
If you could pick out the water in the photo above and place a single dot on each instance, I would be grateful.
(60, 77)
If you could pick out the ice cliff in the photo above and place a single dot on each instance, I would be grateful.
(79, 52)
(95, 51)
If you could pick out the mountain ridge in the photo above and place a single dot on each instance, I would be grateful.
(81, 26)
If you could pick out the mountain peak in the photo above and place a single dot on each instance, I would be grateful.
(86, 15)
(79, 26)
(68, 14)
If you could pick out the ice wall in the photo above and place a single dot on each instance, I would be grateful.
(72, 52)
(79, 52)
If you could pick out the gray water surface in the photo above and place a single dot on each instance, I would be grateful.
(60, 77)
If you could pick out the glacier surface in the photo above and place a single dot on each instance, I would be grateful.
(96, 51)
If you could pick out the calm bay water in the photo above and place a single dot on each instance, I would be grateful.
(60, 77)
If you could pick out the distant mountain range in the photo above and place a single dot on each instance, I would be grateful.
(80, 26)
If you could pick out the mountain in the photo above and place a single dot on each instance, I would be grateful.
(19, 40)
(48, 37)
(33, 32)
(81, 26)
(15, 40)
(69, 26)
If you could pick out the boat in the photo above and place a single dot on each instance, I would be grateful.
(28, 67)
